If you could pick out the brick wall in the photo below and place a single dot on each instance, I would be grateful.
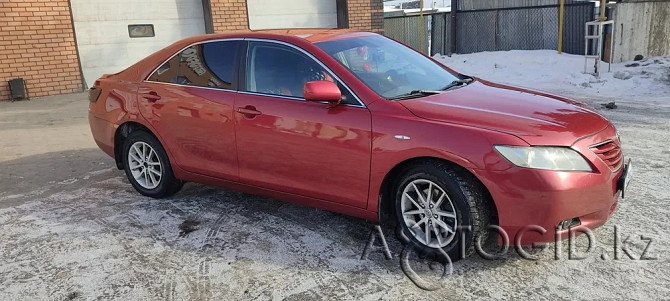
(37, 44)
(366, 15)
(229, 15)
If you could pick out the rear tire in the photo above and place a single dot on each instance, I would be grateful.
(435, 203)
(147, 166)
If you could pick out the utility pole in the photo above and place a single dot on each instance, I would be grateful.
(603, 9)
(423, 27)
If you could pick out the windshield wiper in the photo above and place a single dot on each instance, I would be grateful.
(421, 93)
(415, 93)
(457, 83)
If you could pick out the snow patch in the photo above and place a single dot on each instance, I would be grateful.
(547, 70)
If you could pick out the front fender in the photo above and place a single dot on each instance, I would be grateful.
(400, 136)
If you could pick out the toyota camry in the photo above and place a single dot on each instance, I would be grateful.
(357, 123)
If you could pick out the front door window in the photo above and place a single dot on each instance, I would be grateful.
(276, 69)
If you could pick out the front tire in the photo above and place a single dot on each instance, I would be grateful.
(441, 210)
(147, 166)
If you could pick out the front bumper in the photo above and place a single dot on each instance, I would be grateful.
(528, 198)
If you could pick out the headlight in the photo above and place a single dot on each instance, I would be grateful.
(544, 157)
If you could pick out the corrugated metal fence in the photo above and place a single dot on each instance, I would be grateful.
(440, 33)
(489, 4)
(495, 29)
(576, 17)
(406, 29)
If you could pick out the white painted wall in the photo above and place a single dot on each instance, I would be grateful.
(641, 28)
(272, 14)
(101, 28)
(632, 26)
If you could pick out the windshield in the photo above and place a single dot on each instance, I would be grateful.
(387, 67)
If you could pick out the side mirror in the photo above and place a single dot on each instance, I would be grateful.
(322, 90)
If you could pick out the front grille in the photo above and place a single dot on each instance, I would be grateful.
(610, 153)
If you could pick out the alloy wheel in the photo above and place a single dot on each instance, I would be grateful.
(429, 213)
(145, 165)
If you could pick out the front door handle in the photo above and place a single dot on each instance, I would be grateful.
(249, 111)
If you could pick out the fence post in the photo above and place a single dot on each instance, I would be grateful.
(561, 19)
(433, 31)
(496, 33)
(454, 9)
(445, 34)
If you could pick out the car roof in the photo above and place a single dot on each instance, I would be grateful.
(315, 35)
(312, 35)
(296, 36)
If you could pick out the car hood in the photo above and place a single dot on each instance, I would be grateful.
(536, 117)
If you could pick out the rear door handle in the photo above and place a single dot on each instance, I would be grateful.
(151, 96)
(249, 111)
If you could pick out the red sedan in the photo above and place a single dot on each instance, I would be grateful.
(357, 123)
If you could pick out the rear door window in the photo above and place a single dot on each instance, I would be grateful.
(210, 64)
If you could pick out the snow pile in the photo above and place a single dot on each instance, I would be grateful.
(564, 73)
